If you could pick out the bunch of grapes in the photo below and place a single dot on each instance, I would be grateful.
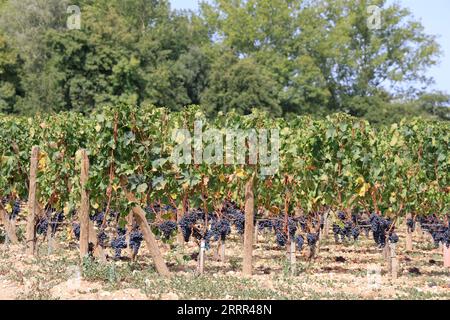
(207, 237)
(76, 230)
(98, 218)
(347, 231)
(300, 241)
(312, 239)
(393, 237)
(136, 240)
(167, 228)
(342, 216)
(220, 229)
(42, 225)
(292, 227)
(337, 232)
(119, 242)
(55, 221)
(446, 237)
(281, 239)
(302, 222)
(355, 233)
(264, 224)
(355, 218)
(281, 236)
(102, 238)
(379, 227)
(238, 218)
(187, 222)
(411, 224)
(15, 210)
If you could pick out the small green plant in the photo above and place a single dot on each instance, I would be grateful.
(235, 263)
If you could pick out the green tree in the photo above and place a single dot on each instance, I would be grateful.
(241, 85)
(10, 72)
(323, 53)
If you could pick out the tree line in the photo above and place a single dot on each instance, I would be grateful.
(286, 57)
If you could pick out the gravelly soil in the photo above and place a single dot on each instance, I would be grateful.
(350, 271)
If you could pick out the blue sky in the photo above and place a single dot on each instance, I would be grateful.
(434, 15)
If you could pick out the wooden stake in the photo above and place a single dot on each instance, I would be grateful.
(201, 257)
(149, 237)
(31, 220)
(409, 245)
(180, 215)
(9, 226)
(386, 254)
(84, 207)
(222, 251)
(93, 238)
(293, 259)
(325, 225)
(446, 256)
(393, 265)
(249, 227)
(420, 232)
(130, 222)
(49, 237)
(312, 252)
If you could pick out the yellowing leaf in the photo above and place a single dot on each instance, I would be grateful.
(364, 189)
(240, 173)
(96, 206)
(66, 209)
(8, 208)
(69, 233)
(42, 164)
(360, 180)
(98, 127)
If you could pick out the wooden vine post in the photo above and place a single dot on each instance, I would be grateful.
(324, 234)
(386, 253)
(293, 258)
(180, 215)
(149, 237)
(393, 263)
(255, 237)
(49, 239)
(32, 203)
(249, 226)
(201, 257)
(222, 251)
(129, 227)
(446, 256)
(98, 250)
(420, 231)
(84, 206)
(9, 226)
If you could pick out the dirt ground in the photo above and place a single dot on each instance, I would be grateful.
(340, 271)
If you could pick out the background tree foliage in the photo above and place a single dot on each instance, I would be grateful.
(286, 57)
